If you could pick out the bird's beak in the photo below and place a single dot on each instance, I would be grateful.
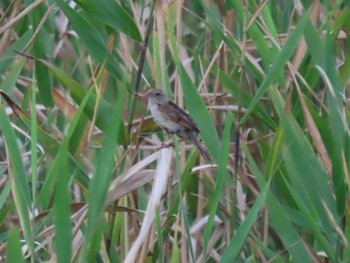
(147, 91)
(135, 93)
(141, 95)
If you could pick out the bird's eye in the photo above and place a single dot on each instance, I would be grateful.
(158, 94)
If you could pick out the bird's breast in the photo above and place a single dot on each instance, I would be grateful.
(162, 121)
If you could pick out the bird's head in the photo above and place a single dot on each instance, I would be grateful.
(157, 96)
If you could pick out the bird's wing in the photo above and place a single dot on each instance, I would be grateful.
(174, 113)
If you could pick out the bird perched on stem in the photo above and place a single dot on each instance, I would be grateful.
(173, 119)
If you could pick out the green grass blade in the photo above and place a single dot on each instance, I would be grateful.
(33, 142)
(279, 63)
(325, 61)
(200, 114)
(4, 194)
(50, 143)
(5, 211)
(262, 46)
(63, 225)
(99, 186)
(20, 187)
(279, 221)
(221, 177)
(274, 157)
(19, 174)
(14, 251)
(237, 242)
(61, 208)
(51, 178)
(300, 159)
(313, 223)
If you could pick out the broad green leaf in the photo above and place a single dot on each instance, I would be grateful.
(113, 15)
(42, 46)
(9, 82)
(200, 114)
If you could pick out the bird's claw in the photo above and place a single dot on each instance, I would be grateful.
(165, 145)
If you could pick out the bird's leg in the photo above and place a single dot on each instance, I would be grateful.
(169, 144)
(165, 145)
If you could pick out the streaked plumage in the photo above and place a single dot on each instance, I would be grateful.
(173, 119)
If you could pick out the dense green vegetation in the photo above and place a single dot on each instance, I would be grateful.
(83, 176)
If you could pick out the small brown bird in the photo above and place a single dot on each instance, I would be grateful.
(173, 119)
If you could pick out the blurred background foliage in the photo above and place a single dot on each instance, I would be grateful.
(83, 176)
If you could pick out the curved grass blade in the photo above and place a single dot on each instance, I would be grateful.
(281, 60)
(279, 221)
(326, 65)
(9, 82)
(92, 39)
(7, 58)
(49, 142)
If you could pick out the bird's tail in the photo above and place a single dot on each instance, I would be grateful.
(200, 147)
